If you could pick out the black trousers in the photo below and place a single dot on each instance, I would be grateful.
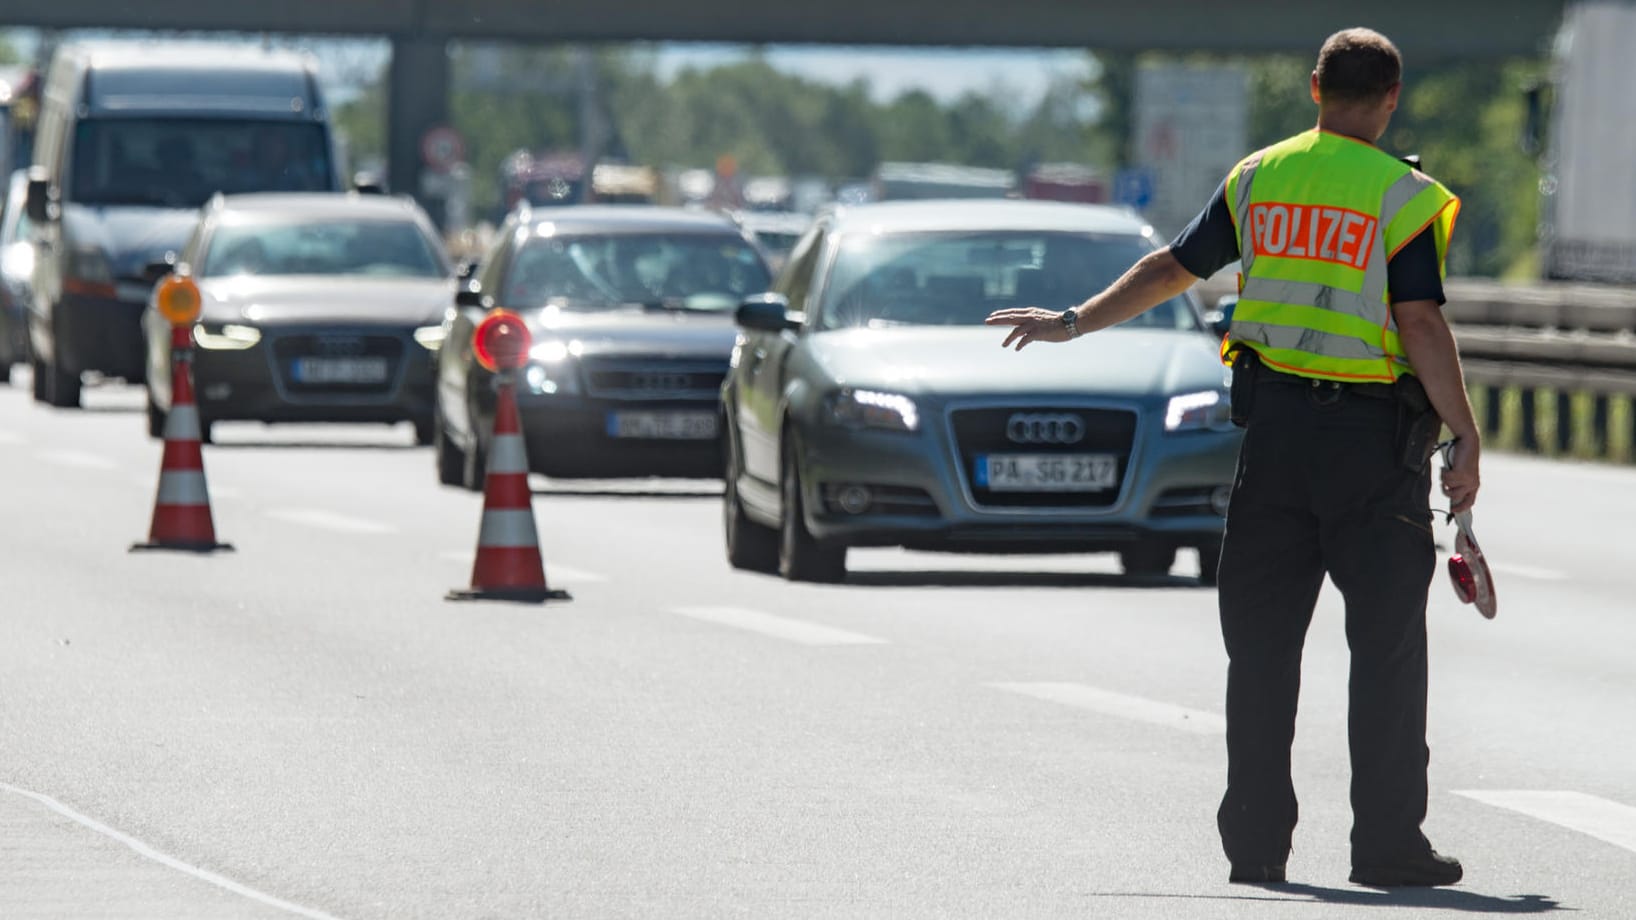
(1320, 490)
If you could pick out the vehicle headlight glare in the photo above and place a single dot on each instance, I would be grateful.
(230, 337)
(1208, 410)
(551, 351)
(873, 409)
(431, 337)
(556, 379)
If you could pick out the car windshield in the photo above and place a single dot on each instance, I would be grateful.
(959, 278)
(353, 247)
(180, 163)
(688, 271)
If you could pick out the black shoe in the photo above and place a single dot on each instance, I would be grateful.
(1425, 870)
(1252, 874)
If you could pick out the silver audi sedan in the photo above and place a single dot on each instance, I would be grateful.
(868, 405)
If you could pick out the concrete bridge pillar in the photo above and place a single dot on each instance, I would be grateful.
(417, 100)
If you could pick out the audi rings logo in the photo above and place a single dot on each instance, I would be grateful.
(1030, 428)
(660, 381)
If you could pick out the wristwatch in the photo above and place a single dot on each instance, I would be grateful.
(1070, 318)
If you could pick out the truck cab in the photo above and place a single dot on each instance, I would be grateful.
(132, 140)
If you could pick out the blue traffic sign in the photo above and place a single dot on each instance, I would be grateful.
(1133, 187)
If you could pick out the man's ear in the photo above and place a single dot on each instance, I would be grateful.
(1315, 97)
(1392, 96)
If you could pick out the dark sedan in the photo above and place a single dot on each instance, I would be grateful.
(631, 309)
(317, 308)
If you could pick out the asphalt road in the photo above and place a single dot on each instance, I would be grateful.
(305, 727)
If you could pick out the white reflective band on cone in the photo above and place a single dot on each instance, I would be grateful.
(508, 455)
(183, 487)
(507, 529)
(182, 424)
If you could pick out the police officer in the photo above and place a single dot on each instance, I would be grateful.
(1343, 365)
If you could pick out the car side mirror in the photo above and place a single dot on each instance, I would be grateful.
(365, 182)
(153, 271)
(1221, 318)
(40, 204)
(767, 313)
(470, 294)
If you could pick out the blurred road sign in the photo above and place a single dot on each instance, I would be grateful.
(1133, 187)
(1190, 129)
(441, 147)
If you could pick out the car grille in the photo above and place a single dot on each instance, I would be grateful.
(353, 363)
(659, 379)
(984, 431)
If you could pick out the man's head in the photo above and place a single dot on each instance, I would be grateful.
(1359, 75)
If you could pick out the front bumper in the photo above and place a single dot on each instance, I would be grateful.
(925, 494)
(262, 382)
(570, 437)
(101, 334)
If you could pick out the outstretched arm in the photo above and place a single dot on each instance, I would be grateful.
(1152, 281)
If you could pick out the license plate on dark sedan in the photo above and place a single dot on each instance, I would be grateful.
(1047, 472)
(664, 426)
(339, 370)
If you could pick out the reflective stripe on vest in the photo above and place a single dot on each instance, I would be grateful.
(1318, 218)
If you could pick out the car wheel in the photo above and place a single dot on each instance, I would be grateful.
(425, 431)
(801, 557)
(41, 380)
(451, 463)
(1209, 562)
(1150, 559)
(751, 546)
(156, 418)
(475, 466)
(62, 387)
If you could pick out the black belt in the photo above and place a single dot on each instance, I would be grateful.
(1371, 390)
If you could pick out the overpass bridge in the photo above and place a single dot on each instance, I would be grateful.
(420, 30)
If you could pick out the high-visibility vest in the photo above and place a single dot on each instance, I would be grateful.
(1318, 217)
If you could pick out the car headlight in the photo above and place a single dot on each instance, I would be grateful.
(1203, 411)
(551, 370)
(431, 337)
(851, 408)
(228, 337)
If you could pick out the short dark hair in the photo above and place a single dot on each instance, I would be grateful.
(1357, 66)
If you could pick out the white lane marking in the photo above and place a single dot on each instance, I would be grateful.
(1609, 821)
(1527, 571)
(553, 570)
(778, 627)
(168, 862)
(329, 520)
(82, 459)
(1121, 706)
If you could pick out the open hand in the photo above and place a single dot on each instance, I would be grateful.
(1030, 324)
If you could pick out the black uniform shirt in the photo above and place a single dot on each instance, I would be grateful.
(1210, 243)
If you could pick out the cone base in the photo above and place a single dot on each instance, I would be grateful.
(516, 595)
(184, 547)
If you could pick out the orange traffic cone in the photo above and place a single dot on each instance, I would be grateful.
(181, 511)
(508, 566)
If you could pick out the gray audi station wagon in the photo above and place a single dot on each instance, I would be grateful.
(868, 405)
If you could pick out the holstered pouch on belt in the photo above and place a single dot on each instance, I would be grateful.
(1242, 394)
(1417, 423)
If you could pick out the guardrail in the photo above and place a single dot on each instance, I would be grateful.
(1551, 367)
